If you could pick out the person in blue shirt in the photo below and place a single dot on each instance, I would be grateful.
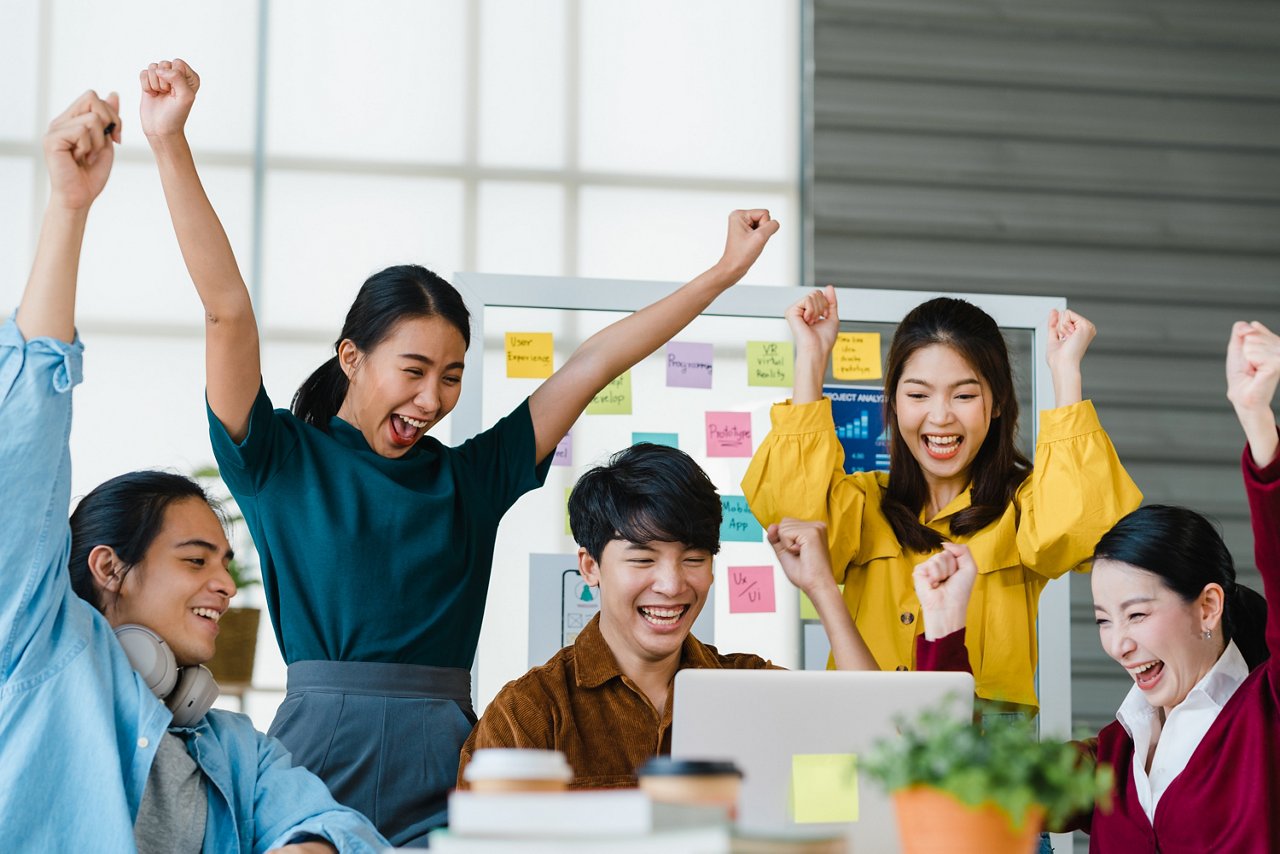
(90, 759)
(376, 541)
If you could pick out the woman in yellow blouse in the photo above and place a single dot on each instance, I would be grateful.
(955, 475)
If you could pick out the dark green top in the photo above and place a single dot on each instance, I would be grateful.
(366, 558)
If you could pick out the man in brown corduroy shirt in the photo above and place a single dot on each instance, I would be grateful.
(647, 525)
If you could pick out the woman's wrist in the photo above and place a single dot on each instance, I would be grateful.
(942, 622)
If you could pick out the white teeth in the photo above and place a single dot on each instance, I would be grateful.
(942, 441)
(207, 612)
(662, 615)
(413, 422)
(1144, 668)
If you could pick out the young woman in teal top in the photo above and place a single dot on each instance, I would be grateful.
(376, 540)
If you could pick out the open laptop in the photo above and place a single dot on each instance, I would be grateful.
(797, 737)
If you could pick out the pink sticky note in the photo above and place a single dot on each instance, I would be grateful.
(751, 590)
(728, 434)
(689, 364)
(564, 452)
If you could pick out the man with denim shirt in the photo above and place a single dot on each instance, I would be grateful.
(79, 729)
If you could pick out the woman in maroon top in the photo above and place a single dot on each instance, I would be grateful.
(1196, 744)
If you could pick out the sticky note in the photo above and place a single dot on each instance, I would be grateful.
(770, 363)
(613, 399)
(807, 610)
(824, 787)
(671, 440)
(563, 455)
(729, 434)
(751, 590)
(856, 356)
(689, 364)
(737, 525)
(530, 354)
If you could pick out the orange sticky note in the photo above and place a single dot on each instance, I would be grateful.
(530, 354)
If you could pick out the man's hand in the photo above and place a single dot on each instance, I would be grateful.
(802, 550)
(79, 149)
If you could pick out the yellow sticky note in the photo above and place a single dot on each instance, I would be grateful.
(530, 354)
(770, 363)
(856, 356)
(824, 787)
(613, 399)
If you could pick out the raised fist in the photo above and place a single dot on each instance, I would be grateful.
(79, 149)
(749, 231)
(168, 91)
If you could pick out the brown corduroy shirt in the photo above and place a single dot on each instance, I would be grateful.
(580, 703)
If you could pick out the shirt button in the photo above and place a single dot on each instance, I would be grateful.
(907, 618)
(142, 742)
(900, 668)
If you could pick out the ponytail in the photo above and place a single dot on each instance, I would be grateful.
(1245, 621)
(319, 398)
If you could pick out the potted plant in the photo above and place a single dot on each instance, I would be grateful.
(983, 785)
(232, 663)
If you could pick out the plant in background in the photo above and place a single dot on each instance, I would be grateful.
(242, 573)
(993, 760)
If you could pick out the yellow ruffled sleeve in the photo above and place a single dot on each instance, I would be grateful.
(798, 472)
(1076, 492)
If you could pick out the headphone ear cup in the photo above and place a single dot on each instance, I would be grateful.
(193, 696)
(150, 657)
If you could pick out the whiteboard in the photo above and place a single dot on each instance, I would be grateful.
(574, 309)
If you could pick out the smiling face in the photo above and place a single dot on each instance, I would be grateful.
(944, 410)
(650, 595)
(181, 588)
(1155, 634)
(405, 385)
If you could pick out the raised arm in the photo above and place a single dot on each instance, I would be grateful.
(802, 550)
(79, 149)
(815, 323)
(1069, 337)
(558, 402)
(233, 370)
(1253, 369)
(943, 585)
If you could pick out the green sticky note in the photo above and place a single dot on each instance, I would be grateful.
(824, 787)
(770, 363)
(613, 399)
(807, 611)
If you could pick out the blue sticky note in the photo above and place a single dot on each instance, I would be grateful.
(671, 440)
(738, 525)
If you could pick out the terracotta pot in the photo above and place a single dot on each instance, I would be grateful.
(930, 821)
(232, 663)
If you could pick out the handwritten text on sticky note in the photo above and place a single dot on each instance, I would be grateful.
(824, 787)
(729, 434)
(529, 354)
(737, 524)
(613, 399)
(689, 364)
(770, 363)
(563, 455)
(751, 590)
(856, 356)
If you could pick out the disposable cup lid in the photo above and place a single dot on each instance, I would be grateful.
(665, 766)
(517, 764)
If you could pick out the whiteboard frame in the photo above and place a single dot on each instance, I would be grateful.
(872, 305)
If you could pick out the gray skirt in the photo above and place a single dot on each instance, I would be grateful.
(384, 737)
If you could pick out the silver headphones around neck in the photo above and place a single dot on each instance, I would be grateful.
(189, 692)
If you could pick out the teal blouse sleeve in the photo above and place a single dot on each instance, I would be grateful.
(247, 466)
(502, 459)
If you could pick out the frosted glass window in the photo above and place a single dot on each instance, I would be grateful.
(325, 234)
(219, 40)
(131, 269)
(19, 20)
(673, 235)
(521, 228)
(374, 81)
(17, 242)
(703, 89)
(522, 83)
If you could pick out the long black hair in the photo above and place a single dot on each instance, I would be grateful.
(125, 513)
(1187, 553)
(999, 467)
(386, 298)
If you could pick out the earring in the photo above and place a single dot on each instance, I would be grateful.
(1208, 634)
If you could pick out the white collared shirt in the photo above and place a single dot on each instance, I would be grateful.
(1183, 729)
